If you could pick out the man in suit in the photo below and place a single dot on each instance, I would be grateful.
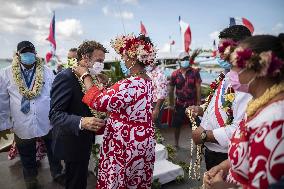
(74, 124)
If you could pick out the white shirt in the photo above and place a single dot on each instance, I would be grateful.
(209, 120)
(36, 122)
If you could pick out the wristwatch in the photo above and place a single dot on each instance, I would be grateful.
(83, 76)
(203, 136)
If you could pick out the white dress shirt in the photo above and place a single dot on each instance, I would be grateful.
(36, 122)
(209, 120)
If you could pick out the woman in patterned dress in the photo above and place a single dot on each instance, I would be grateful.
(256, 153)
(128, 151)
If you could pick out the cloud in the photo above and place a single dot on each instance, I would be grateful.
(29, 20)
(69, 29)
(278, 28)
(123, 14)
(130, 1)
(165, 48)
(214, 35)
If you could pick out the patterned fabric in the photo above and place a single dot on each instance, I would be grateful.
(40, 150)
(127, 154)
(160, 83)
(185, 86)
(256, 151)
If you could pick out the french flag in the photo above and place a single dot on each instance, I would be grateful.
(143, 29)
(51, 39)
(242, 21)
(185, 34)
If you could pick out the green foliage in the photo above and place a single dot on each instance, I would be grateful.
(158, 136)
(205, 90)
(115, 73)
(171, 152)
(180, 179)
(156, 184)
(3, 134)
(95, 153)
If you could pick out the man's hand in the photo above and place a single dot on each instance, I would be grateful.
(196, 135)
(194, 111)
(92, 123)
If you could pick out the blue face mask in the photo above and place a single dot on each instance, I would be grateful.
(184, 64)
(223, 63)
(124, 69)
(28, 58)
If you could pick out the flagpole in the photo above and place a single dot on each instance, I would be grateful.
(121, 18)
(170, 44)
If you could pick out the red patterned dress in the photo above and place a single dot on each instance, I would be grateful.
(256, 152)
(128, 151)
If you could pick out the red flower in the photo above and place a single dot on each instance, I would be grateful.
(243, 56)
(213, 85)
(275, 65)
(230, 112)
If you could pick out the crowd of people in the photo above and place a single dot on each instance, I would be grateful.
(241, 122)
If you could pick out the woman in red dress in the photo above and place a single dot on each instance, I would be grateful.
(256, 153)
(128, 151)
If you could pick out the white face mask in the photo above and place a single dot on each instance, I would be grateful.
(97, 68)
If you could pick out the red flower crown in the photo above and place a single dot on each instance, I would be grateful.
(266, 62)
(135, 48)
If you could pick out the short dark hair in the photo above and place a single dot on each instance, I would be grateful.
(73, 49)
(236, 33)
(88, 47)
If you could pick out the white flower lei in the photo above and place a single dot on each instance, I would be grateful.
(17, 76)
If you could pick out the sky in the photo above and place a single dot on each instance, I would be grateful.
(103, 20)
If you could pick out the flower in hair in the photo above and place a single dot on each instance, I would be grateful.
(135, 48)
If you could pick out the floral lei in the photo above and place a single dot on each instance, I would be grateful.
(17, 76)
(213, 86)
(71, 64)
(229, 98)
(269, 94)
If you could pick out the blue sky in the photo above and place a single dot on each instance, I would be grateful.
(78, 20)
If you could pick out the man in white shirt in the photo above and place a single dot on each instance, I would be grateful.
(216, 128)
(24, 107)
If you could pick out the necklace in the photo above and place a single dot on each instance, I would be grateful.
(269, 94)
(195, 167)
(17, 76)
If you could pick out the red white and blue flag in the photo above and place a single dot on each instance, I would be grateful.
(185, 34)
(242, 21)
(143, 29)
(51, 39)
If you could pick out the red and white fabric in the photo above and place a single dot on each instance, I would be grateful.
(160, 83)
(256, 151)
(128, 151)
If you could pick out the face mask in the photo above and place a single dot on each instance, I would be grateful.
(148, 68)
(124, 69)
(28, 58)
(235, 81)
(223, 63)
(97, 68)
(184, 64)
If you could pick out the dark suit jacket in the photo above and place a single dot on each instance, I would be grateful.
(66, 109)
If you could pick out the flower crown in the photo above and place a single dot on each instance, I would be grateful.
(265, 63)
(135, 48)
(226, 47)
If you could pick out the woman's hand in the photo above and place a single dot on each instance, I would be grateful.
(215, 182)
(80, 70)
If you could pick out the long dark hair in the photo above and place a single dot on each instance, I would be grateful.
(262, 43)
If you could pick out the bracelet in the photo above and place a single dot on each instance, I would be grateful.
(83, 76)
